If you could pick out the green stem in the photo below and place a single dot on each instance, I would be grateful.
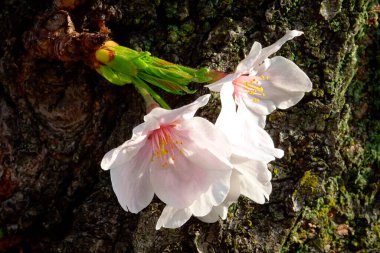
(149, 95)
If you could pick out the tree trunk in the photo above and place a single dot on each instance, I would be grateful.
(58, 118)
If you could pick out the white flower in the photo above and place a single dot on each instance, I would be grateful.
(174, 155)
(263, 84)
(252, 150)
(258, 86)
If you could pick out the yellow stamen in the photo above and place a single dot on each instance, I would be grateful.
(256, 100)
(165, 147)
(253, 87)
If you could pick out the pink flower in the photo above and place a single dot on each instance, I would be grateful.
(258, 86)
(263, 84)
(252, 149)
(174, 155)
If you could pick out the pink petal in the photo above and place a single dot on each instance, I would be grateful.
(164, 116)
(194, 170)
(254, 119)
(110, 158)
(203, 204)
(207, 137)
(131, 183)
(123, 153)
(244, 129)
(144, 128)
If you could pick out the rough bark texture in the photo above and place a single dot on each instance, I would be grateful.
(58, 121)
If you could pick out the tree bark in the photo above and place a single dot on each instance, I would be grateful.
(58, 118)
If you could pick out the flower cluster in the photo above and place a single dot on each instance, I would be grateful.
(198, 168)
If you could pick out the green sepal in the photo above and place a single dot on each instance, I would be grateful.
(138, 82)
(126, 65)
(123, 64)
(112, 76)
(169, 86)
(202, 76)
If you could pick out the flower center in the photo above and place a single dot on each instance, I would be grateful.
(165, 145)
(250, 85)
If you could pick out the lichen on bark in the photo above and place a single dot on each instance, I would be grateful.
(57, 123)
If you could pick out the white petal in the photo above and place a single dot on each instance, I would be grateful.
(260, 70)
(263, 107)
(216, 194)
(234, 192)
(203, 204)
(252, 141)
(145, 127)
(207, 137)
(220, 189)
(244, 129)
(185, 112)
(231, 122)
(285, 74)
(173, 218)
(255, 180)
(267, 51)
(217, 86)
(246, 64)
(222, 209)
(131, 183)
(275, 97)
(123, 153)
(212, 216)
(181, 182)
(227, 118)
(254, 119)
(110, 157)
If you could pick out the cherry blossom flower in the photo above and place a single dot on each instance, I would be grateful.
(258, 86)
(252, 150)
(182, 159)
(263, 84)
